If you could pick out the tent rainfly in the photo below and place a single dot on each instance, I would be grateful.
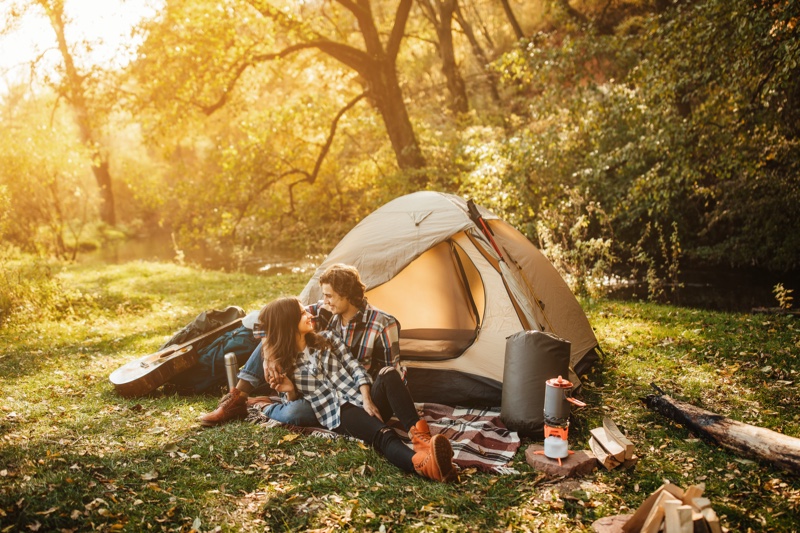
(460, 281)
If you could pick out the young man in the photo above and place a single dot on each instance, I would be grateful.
(371, 335)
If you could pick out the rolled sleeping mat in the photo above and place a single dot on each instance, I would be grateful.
(531, 358)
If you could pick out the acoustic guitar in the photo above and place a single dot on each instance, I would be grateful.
(146, 374)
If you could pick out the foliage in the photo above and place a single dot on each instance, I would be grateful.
(75, 455)
(675, 122)
(783, 296)
(684, 119)
(661, 273)
(44, 175)
(564, 233)
(29, 288)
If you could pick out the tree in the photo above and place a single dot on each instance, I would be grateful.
(43, 177)
(440, 14)
(512, 19)
(275, 34)
(73, 88)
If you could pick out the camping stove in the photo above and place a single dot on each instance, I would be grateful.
(556, 417)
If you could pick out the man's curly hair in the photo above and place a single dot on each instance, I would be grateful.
(346, 281)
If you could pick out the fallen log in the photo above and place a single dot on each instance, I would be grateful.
(755, 442)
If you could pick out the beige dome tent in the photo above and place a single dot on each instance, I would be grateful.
(458, 292)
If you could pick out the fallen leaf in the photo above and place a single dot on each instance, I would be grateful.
(290, 437)
(150, 475)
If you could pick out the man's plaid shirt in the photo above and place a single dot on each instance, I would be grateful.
(329, 378)
(372, 335)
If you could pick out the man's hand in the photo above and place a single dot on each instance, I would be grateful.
(282, 384)
(273, 373)
(369, 405)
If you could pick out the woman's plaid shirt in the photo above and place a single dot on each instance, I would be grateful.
(328, 378)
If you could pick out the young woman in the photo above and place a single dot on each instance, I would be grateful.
(319, 368)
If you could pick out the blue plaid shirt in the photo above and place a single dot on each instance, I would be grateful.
(329, 378)
(372, 336)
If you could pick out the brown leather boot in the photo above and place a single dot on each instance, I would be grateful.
(437, 462)
(232, 406)
(420, 435)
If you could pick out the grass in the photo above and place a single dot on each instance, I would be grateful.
(74, 456)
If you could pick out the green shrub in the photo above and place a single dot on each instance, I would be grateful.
(28, 287)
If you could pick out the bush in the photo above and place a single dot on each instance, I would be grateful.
(28, 287)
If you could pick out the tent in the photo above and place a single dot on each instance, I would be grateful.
(458, 291)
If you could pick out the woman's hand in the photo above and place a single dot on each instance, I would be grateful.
(272, 372)
(369, 405)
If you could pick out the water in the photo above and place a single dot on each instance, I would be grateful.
(266, 262)
(718, 290)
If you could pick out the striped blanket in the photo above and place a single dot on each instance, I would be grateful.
(479, 438)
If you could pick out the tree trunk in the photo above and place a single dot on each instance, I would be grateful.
(76, 96)
(382, 83)
(751, 441)
(441, 16)
(103, 178)
(512, 19)
(388, 98)
(480, 55)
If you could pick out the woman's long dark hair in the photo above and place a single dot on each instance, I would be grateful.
(279, 319)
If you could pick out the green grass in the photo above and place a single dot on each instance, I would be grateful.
(75, 456)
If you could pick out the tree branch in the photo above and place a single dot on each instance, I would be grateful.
(311, 178)
(398, 30)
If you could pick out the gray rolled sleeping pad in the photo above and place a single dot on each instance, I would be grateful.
(531, 358)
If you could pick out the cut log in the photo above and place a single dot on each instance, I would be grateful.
(658, 513)
(700, 503)
(612, 429)
(694, 491)
(699, 524)
(685, 522)
(636, 522)
(602, 455)
(712, 520)
(608, 443)
(759, 443)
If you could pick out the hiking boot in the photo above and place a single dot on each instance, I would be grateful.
(232, 406)
(420, 435)
(437, 462)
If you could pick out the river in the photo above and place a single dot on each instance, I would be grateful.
(720, 290)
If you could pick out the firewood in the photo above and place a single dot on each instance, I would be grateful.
(638, 519)
(608, 443)
(763, 444)
(700, 503)
(677, 517)
(694, 491)
(699, 524)
(602, 455)
(612, 430)
(712, 520)
(658, 513)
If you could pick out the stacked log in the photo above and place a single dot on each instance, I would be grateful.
(611, 447)
(673, 510)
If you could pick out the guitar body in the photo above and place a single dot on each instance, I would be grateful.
(146, 374)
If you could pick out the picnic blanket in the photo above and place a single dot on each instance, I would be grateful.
(479, 438)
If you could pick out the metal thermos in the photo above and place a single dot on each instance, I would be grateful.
(231, 368)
